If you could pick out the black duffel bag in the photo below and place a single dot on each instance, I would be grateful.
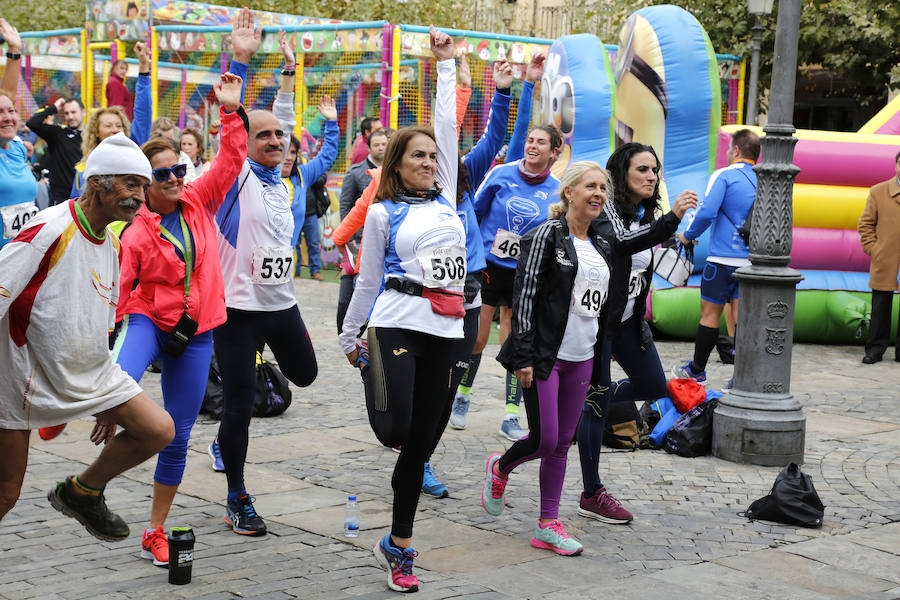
(793, 500)
(691, 435)
(273, 392)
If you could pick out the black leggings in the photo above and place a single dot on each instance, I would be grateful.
(236, 342)
(408, 377)
(461, 353)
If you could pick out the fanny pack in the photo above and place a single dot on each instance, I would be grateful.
(443, 302)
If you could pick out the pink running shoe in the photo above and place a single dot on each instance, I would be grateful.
(399, 565)
(553, 536)
(494, 488)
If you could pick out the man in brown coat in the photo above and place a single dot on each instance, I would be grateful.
(879, 232)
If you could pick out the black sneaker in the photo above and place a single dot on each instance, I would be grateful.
(243, 518)
(90, 511)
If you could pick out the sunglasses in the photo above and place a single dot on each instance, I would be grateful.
(162, 175)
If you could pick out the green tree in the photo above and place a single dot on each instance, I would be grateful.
(857, 40)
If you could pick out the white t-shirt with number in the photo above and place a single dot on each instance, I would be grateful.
(588, 297)
(422, 242)
(258, 269)
(636, 282)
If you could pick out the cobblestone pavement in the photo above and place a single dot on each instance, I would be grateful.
(687, 538)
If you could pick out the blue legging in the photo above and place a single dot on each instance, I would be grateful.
(647, 381)
(183, 383)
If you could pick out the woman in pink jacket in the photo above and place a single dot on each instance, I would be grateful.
(172, 294)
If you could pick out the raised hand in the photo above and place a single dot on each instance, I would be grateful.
(465, 75)
(535, 68)
(327, 108)
(142, 52)
(228, 91)
(58, 103)
(685, 201)
(503, 75)
(245, 38)
(11, 35)
(441, 44)
(289, 61)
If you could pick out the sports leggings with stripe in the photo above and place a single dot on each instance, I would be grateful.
(236, 343)
(553, 406)
(409, 375)
(183, 383)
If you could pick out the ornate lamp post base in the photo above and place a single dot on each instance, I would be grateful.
(760, 422)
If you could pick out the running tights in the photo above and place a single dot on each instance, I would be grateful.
(409, 374)
(183, 383)
(236, 343)
(553, 406)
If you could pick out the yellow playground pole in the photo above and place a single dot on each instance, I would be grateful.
(420, 104)
(154, 72)
(741, 90)
(105, 83)
(299, 99)
(395, 79)
(84, 70)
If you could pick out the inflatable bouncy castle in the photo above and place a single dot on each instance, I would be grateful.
(666, 92)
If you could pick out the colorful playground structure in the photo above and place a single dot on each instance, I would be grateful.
(662, 84)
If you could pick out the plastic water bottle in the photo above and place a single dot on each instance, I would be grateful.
(351, 518)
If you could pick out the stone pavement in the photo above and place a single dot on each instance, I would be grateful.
(687, 539)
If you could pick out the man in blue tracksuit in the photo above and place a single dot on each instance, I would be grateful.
(729, 198)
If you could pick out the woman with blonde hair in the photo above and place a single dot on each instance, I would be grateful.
(558, 320)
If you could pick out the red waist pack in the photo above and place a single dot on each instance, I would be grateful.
(445, 302)
(686, 394)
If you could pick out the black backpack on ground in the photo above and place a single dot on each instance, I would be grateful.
(793, 500)
(691, 435)
(273, 393)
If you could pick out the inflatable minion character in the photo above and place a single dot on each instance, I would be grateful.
(578, 85)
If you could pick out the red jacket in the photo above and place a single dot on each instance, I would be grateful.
(150, 260)
(118, 95)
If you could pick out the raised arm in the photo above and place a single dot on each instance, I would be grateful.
(49, 133)
(317, 167)
(143, 100)
(211, 187)
(245, 39)
(10, 82)
(533, 74)
(478, 160)
(445, 114)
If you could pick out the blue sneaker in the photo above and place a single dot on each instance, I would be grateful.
(216, 455)
(686, 371)
(399, 565)
(431, 485)
(510, 429)
(459, 411)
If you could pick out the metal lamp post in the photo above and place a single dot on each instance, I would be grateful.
(758, 9)
(760, 422)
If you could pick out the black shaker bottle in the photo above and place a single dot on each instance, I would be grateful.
(181, 555)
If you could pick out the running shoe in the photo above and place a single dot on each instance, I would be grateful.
(686, 371)
(216, 455)
(48, 433)
(459, 411)
(511, 430)
(155, 547)
(603, 507)
(90, 511)
(431, 485)
(399, 565)
(553, 536)
(494, 487)
(243, 518)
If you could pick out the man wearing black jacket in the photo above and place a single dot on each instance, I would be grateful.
(63, 144)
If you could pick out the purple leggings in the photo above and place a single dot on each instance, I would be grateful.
(553, 406)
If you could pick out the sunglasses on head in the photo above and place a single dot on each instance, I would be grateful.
(162, 175)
